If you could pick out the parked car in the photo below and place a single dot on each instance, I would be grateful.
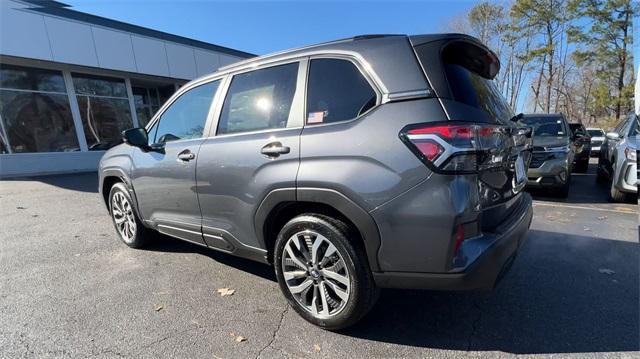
(341, 165)
(553, 152)
(582, 145)
(597, 137)
(617, 162)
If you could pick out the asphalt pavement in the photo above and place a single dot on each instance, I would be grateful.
(69, 288)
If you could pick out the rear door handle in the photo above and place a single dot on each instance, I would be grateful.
(274, 149)
(186, 155)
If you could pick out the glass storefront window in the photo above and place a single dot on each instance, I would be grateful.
(104, 109)
(35, 112)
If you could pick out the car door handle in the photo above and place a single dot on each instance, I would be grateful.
(274, 149)
(186, 155)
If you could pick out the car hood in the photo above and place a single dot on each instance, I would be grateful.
(550, 141)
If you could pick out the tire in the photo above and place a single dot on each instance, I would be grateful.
(601, 176)
(582, 167)
(128, 225)
(563, 191)
(307, 279)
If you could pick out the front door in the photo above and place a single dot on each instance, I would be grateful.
(164, 177)
(255, 150)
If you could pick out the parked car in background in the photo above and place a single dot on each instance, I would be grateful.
(597, 137)
(553, 152)
(341, 165)
(617, 162)
(582, 144)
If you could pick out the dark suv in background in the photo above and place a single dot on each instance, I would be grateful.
(370, 162)
(553, 152)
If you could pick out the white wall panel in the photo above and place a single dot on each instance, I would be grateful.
(226, 60)
(22, 33)
(182, 63)
(114, 49)
(71, 42)
(151, 56)
(206, 62)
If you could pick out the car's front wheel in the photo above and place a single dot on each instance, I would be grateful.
(615, 195)
(323, 272)
(128, 226)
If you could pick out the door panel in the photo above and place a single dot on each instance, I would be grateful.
(164, 178)
(233, 177)
(165, 187)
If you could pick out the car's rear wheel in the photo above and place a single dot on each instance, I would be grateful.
(323, 272)
(128, 226)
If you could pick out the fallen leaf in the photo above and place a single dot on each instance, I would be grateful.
(20, 207)
(316, 347)
(606, 271)
(602, 218)
(587, 229)
(226, 291)
(158, 307)
(232, 334)
(240, 339)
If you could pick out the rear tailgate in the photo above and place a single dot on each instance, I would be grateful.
(460, 70)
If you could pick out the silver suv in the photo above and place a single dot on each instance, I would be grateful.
(364, 163)
(617, 162)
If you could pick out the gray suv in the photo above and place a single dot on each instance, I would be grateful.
(364, 163)
(617, 161)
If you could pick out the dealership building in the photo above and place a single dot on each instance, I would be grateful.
(70, 82)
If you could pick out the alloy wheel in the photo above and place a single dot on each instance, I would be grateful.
(315, 274)
(123, 216)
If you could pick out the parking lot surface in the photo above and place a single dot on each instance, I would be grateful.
(70, 288)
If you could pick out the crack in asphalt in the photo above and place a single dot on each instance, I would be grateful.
(275, 332)
(474, 325)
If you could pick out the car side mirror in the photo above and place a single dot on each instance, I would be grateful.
(613, 136)
(136, 137)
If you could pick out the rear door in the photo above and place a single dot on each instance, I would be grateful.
(252, 150)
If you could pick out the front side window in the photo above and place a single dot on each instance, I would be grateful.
(104, 109)
(35, 113)
(337, 91)
(186, 116)
(259, 100)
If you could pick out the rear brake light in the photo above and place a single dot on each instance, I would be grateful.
(458, 148)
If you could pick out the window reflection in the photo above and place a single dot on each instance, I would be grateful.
(104, 109)
(35, 111)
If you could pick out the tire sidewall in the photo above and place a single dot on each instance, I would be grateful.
(351, 312)
(136, 241)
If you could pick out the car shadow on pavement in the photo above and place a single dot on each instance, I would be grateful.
(83, 182)
(564, 294)
(164, 243)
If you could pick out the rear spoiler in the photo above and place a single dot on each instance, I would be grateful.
(462, 50)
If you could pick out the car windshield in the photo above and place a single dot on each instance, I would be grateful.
(596, 133)
(545, 126)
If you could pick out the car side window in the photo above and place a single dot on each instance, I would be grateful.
(337, 91)
(259, 100)
(186, 116)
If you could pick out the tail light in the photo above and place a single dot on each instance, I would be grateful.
(458, 148)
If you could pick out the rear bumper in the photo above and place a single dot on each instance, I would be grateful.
(483, 273)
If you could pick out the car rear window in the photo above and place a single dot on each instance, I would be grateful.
(546, 126)
(474, 90)
(596, 133)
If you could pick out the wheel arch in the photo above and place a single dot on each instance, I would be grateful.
(280, 205)
(111, 176)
